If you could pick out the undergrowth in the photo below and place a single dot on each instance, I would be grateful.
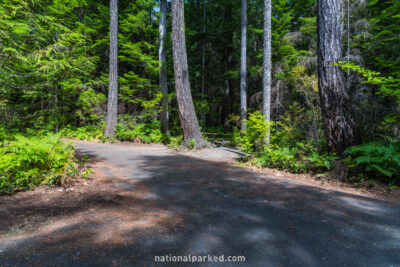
(297, 157)
(29, 161)
(376, 160)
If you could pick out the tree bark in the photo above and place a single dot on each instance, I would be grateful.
(243, 67)
(203, 63)
(163, 65)
(112, 111)
(227, 61)
(338, 120)
(267, 66)
(187, 114)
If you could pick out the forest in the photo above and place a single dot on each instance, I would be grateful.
(307, 86)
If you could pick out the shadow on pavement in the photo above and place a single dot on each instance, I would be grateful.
(178, 205)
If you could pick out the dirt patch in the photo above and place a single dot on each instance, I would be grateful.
(95, 207)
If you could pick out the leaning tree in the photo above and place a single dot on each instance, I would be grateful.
(187, 114)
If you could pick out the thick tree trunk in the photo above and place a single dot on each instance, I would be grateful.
(163, 66)
(187, 114)
(112, 111)
(335, 102)
(267, 66)
(243, 67)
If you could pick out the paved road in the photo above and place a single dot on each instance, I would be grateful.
(178, 205)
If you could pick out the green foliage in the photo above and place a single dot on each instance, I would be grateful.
(142, 132)
(285, 151)
(90, 103)
(174, 142)
(85, 174)
(192, 144)
(376, 159)
(127, 130)
(254, 137)
(380, 48)
(320, 162)
(3, 134)
(44, 60)
(30, 161)
(291, 127)
(298, 159)
(282, 158)
(89, 132)
(387, 86)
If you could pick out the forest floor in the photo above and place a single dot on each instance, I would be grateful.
(144, 201)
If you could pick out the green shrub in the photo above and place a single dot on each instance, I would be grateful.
(145, 132)
(285, 151)
(31, 161)
(175, 141)
(320, 162)
(282, 158)
(89, 132)
(299, 159)
(254, 137)
(126, 131)
(376, 159)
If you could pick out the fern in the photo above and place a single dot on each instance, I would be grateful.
(30, 161)
(376, 159)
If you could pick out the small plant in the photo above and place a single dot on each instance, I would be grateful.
(321, 161)
(86, 173)
(192, 144)
(175, 142)
(282, 158)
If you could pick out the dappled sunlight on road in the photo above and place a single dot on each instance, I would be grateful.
(152, 202)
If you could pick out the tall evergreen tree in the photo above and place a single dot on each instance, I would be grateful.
(112, 111)
(340, 128)
(267, 65)
(243, 67)
(163, 65)
(187, 114)
(203, 64)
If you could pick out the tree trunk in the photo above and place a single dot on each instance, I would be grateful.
(163, 66)
(335, 103)
(229, 94)
(112, 110)
(243, 66)
(267, 66)
(187, 114)
(203, 63)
